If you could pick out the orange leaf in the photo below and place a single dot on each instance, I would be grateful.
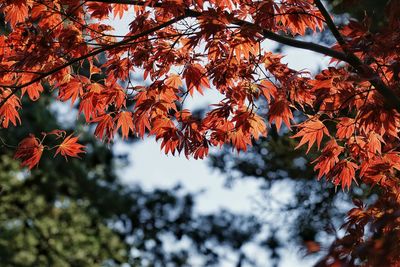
(99, 10)
(268, 89)
(89, 105)
(125, 122)
(310, 131)
(174, 81)
(16, 12)
(240, 140)
(70, 90)
(70, 147)
(8, 111)
(374, 144)
(30, 151)
(344, 173)
(258, 127)
(141, 124)
(196, 78)
(105, 126)
(33, 90)
(329, 157)
(58, 133)
(280, 111)
(119, 10)
(345, 128)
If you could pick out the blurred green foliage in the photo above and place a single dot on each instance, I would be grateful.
(78, 213)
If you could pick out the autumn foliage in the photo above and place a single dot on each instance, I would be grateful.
(186, 48)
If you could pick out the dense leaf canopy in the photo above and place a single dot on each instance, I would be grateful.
(186, 48)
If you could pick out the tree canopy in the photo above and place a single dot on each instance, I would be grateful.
(185, 48)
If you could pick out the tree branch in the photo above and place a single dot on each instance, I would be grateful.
(266, 33)
(330, 23)
(15, 88)
(188, 13)
(365, 70)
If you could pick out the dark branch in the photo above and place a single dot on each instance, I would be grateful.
(330, 23)
(363, 69)
(93, 53)
(391, 98)
(266, 33)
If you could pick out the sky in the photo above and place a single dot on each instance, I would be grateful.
(151, 168)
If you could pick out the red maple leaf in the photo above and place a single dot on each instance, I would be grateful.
(280, 111)
(344, 173)
(70, 90)
(311, 131)
(30, 151)
(125, 122)
(33, 90)
(70, 147)
(16, 12)
(9, 110)
(196, 77)
(174, 81)
(105, 127)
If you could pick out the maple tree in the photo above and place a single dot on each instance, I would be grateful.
(188, 47)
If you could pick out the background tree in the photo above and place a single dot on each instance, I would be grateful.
(310, 220)
(78, 213)
(363, 9)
